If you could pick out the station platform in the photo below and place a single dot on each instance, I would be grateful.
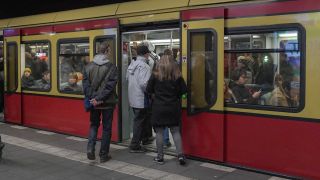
(33, 154)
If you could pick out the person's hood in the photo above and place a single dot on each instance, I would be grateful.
(100, 59)
(134, 64)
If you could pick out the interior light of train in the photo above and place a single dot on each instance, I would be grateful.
(288, 34)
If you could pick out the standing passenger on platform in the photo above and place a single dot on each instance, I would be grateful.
(167, 85)
(99, 84)
(138, 74)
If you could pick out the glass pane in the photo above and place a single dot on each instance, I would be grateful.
(36, 74)
(12, 67)
(283, 40)
(274, 76)
(111, 43)
(74, 48)
(72, 59)
(203, 64)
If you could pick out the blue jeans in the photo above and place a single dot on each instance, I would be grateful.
(166, 136)
(95, 115)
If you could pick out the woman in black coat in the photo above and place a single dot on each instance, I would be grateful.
(167, 86)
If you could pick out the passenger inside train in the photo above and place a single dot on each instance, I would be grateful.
(268, 73)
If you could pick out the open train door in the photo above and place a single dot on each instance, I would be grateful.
(12, 97)
(202, 66)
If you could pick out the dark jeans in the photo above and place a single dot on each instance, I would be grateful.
(147, 128)
(106, 130)
(138, 126)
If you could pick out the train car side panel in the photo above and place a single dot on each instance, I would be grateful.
(273, 144)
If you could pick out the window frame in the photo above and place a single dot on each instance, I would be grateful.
(8, 67)
(302, 49)
(50, 70)
(113, 37)
(69, 40)
(189, 71)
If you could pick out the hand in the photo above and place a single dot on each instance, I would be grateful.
(94, 102)
(256, 94)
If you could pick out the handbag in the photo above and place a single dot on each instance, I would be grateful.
(87, 105)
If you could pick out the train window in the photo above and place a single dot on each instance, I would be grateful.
(73, 56)
(12, 66)
(36, 73)
(111, 42)
(264, 70)
(202, 69)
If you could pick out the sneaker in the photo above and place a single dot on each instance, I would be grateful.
(182, 159)
(104, 159)
(91, 156)
(158, 160)
(140, 149)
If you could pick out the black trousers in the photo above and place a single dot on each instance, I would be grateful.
(138, 126)
(147, 128)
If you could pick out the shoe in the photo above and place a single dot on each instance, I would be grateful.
(91, 155)
(140, 149)
(104, 159)
(182, 159)
(158, 160)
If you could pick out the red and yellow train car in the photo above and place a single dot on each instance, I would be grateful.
(274, 42)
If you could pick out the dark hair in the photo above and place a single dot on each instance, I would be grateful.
(142, 50)
(167, 52)
(103, 48)
(237, 73)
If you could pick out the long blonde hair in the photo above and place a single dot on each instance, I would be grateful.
(167, 69)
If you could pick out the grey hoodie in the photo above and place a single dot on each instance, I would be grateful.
(100, 59)
(138, 75)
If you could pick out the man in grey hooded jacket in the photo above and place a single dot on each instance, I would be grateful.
(138, 74)
(99, 85)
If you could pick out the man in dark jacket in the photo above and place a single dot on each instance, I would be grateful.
(99, 85)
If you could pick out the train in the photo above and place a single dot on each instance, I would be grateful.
(210, 41)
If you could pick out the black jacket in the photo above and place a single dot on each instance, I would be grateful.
(242, 94)
(166, 104)
(99, 82)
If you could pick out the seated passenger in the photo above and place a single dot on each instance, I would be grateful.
(240, 92)
(244, 62)
(27, 80)
(228, 94)
(278, 96)
(44, 83)
(72, 84)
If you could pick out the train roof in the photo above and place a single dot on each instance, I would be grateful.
(112, 10)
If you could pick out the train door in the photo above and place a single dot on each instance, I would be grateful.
(202, 66)
(12, 95)
(110, 37)
(159, 40)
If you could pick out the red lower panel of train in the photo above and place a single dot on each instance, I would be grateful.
(65, 115)
(203, 135)
(284, 146)
(278, 145)
(12, 110)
